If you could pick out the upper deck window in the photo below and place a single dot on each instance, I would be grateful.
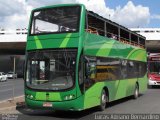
(55, 20)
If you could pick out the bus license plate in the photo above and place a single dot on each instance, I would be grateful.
(47, 104)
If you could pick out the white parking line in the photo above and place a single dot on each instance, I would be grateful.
(6, 85)
(10, 83)
(5, 90)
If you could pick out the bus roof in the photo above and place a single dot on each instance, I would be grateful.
(57, 5)
(114, 23)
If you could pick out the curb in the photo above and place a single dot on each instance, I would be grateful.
(16, 103)
(13, 107)
(11, 99)
(8, 108)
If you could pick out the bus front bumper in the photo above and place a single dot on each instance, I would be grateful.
(156, 83)
(71, 105)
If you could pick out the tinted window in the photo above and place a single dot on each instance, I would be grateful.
(102, 69)
(51, 69)
(108, 69)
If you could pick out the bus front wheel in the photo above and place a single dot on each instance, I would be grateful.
(103, 101)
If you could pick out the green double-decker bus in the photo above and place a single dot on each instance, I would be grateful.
(76, 59)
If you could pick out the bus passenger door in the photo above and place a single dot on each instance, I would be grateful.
(89, 73)
(90, 97)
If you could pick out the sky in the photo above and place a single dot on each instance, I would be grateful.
(129, 13)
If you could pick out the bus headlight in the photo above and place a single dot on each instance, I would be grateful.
(151, 78)
(29, 96)
(69, 97)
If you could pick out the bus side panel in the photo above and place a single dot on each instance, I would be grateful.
(99, 46)
(143, 82)
(92, 95)
(124, 89)
(120, 88)
(105, 47)
(140, 55)
(117, 89)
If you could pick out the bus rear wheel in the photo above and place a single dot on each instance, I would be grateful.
(104, 100)
(136, 92)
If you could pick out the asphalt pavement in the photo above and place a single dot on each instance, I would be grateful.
(147, 103)
(7, 88)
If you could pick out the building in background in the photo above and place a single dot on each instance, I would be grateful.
(153, 48)
(152, 38)
(12, 45)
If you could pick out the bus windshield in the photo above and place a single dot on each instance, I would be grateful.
(154, 67)
(51, 69)
(55, 20)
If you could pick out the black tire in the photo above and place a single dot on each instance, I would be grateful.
(104, 100)
(136, 92)
(150, 86)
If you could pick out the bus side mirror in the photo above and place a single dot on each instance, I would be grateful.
(24, 67)
(87, 69)
(91, 71)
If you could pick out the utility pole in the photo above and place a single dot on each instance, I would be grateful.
(14, 68)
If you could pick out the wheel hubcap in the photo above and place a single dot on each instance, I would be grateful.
(103, 99)
(136, 92)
